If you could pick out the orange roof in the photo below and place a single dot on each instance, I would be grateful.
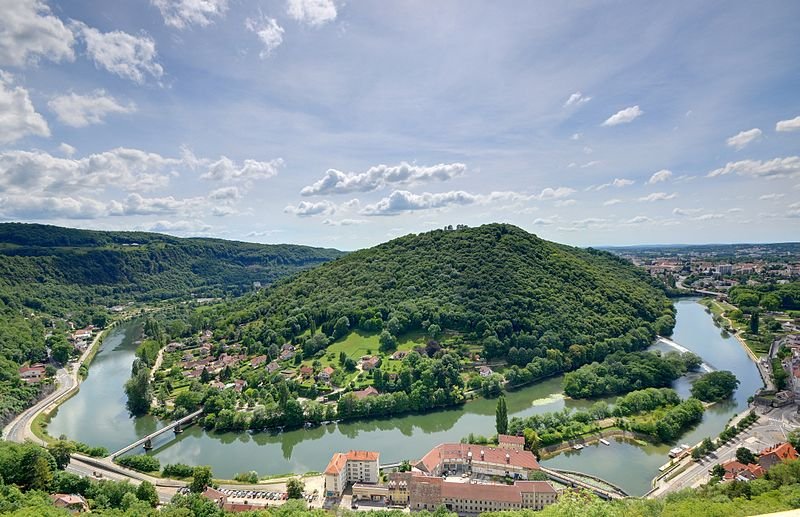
(339, 460)
(784, 451)
(445, 451)
(502, 493)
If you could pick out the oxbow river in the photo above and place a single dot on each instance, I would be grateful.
(97, 415)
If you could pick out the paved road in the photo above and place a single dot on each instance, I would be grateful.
(771, 428)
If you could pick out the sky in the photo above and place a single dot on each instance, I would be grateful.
(347, 123)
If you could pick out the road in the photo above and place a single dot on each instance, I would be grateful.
(770, 429)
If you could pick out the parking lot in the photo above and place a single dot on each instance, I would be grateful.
(264, 497)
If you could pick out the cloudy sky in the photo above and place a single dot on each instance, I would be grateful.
(345, 123)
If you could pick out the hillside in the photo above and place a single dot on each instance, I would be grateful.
(495, 285)
(50, 272)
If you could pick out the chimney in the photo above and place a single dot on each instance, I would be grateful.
(481, 454)
(508, 458)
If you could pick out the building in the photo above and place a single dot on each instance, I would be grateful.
(33, 373)
(741, 472)
(258, 361)
(72, 502)
(325, 374)
(777, 453)
(462, 458)
(429, 493)
(369, 391)
(370, 363)
(352, 467)
(506, 441)
(485, 371)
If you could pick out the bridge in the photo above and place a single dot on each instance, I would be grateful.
(570, 478)
(147, 442)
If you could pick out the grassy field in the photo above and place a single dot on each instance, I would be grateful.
(721, 309)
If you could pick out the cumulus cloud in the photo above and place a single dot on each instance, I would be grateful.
(312, 12)
(617, 183)
(576, 99)
(401, 201)
(662, 175)
(81, 110)
(183, 13)
(25, 206)
(740, 140)
(128, 56)
(380, 176)
(226, 169)
(268, 31)
(686, 212)
(792, 124)
(544, 221)
(639, 219)
(306, 208)
(18, 117)
(775, 168)
(624, 116)
(225, 194)
(658, 196)
(178, 227)
(29, 31)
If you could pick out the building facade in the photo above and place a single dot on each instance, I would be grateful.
(352, 467)
(461, 458)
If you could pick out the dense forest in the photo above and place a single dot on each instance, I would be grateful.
(49, 274)
(517, 295)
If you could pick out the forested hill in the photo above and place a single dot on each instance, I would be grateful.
(496, 284)
(54, 269)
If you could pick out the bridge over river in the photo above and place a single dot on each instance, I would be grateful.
(146, 442)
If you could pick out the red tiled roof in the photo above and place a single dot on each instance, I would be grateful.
(517, 458)
(501, 493)
(784, 451)
(337, 463)
(507, 438)
(366, 392)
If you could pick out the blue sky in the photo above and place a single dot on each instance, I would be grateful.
(345, 124)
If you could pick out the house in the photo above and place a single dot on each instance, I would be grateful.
(173, 347)
(777, 453)
(325, 374)
(506, 441)
(370, 363)
(306, 372)
(352, 467)
(273, 367)
(80, 335)
(258, 361)
(735, 470)
(286, 354)
(485, 371)
(217, 385)
(239, 385)
(399, 355)
(73, 502)
(33, 373)
(369, 391)
(460, 458)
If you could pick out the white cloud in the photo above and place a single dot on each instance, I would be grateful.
(268, 31)
(576, 136)
(29, 31)
(381, 176)
(590, 164)
(576, 99)
(312, 12)
(708, 217)
(128, 169)
(306, 208)
(25, 206)
(612, 202)
(775, 168)
(178, 227)
(624, 116)
(401, 201)
(792, 124)
(130, 57)
(767, 197)
(544, 221)
(740, 140)
(565, 202)
(227, 170)
(639, 219)
(686, 212)
(617, 183)
(66, 149)
(344, 222)
(662, 175)
(135, 204)
(225, 194)
(658, 196)
(556, 193)
(18, 117)
(183, 13)
(81, 110)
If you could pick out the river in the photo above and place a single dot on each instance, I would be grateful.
(97, 416)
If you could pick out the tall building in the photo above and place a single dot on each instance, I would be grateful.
(351, 467)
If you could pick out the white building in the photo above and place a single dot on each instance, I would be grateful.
(352, 467)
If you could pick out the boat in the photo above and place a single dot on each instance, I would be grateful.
(674, 452)
(577, 446)
(604, 441)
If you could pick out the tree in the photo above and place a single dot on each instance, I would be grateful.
(387, 341)
(139, 391)
(41, 475)
(501, 416)
(205, 376)
(794, 438)
(715, 386)
(294, 488)
(745, 455)
(531, 439)
(201, 478)
(754, 322)
(405, 466)
(718, 470)
(434, 331)
(60, 351)
(61, 451)
(147, 492)
(341, 327)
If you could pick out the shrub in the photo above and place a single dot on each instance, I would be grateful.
(141, 462)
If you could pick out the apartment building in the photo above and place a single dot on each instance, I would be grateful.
(351, 467)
